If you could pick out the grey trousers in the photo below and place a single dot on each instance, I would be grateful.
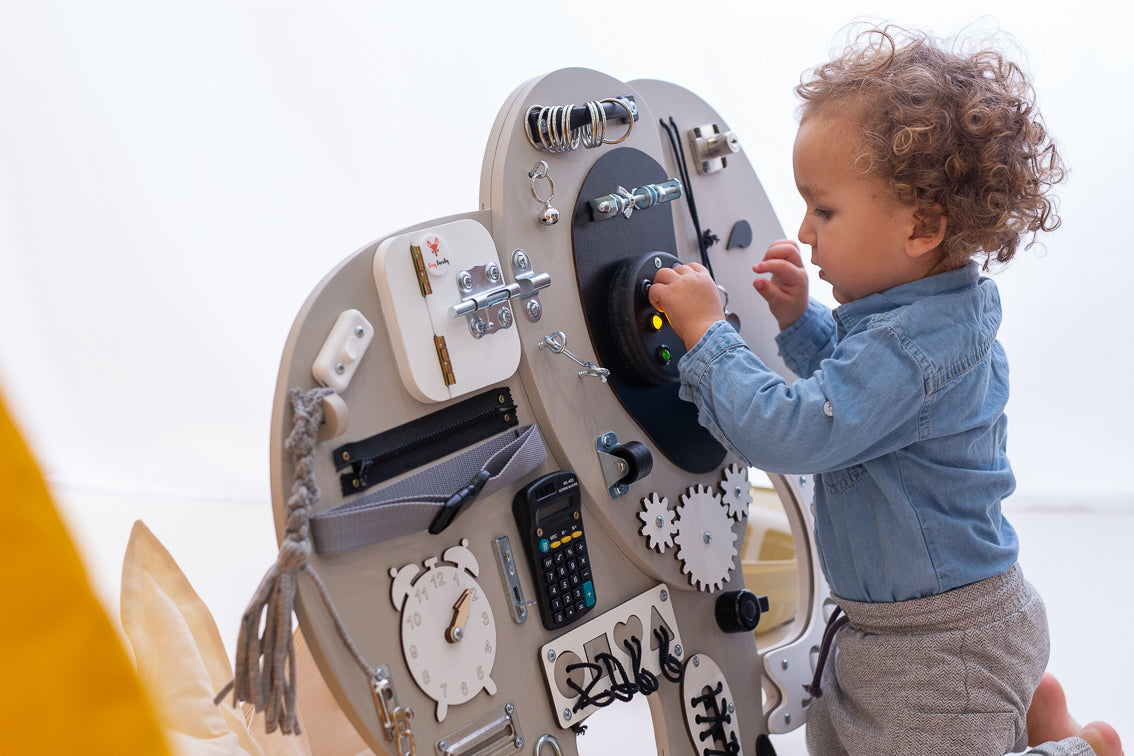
(947, 674)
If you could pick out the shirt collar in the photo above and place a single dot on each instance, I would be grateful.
(853, 312)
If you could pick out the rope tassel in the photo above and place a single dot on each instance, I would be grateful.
(265, 663)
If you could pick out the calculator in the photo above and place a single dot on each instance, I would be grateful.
(549, 514)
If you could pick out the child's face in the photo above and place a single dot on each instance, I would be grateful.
(858, 233)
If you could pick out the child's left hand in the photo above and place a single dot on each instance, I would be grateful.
(690, 300)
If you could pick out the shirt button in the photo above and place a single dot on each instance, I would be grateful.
(828, 410)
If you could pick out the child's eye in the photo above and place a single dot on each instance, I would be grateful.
(822, 213)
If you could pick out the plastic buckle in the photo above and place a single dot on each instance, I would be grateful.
(458, 501)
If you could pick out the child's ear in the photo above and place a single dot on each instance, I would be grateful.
(928, 231)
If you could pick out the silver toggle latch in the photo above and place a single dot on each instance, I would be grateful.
(486, 299)
(624, 202)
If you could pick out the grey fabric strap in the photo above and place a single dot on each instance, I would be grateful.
(411, 505)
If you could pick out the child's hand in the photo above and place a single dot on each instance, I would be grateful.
(690, 300)
(786, 290)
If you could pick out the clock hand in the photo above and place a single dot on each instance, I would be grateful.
(460, 615)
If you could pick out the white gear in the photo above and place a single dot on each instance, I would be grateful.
(705, 538)
(735, 491)
(658, 524)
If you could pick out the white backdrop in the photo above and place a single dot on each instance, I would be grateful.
(176, 177)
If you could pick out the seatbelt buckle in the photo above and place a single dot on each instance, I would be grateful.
(458, 501)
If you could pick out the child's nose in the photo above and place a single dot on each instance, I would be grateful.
(806, 233)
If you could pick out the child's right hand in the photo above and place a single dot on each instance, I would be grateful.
(786, 290)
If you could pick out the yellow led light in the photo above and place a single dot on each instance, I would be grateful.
(656, 321)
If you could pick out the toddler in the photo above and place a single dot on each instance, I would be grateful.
(919, 166)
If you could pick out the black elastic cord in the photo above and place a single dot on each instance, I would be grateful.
(834, 624)
(704, 239)
(671, 667)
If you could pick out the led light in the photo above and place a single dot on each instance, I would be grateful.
(656, 321)
(664, 354)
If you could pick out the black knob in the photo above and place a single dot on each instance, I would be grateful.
(739, 611)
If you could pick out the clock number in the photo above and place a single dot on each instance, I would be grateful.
(421, 594)
(464, 688)
(488, 647)
(480, 672)
(437, 578)
(413, 620)
(484, 618)
(413, 651)
(444, 690)
(425, 676)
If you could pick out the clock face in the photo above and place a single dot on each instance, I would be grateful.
(448, 634)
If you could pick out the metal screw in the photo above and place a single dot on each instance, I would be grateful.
(519, 743)
(442, 745)
(340, 368)
(620, 466)
(534, 309)
(492, 272)
(659, 521)
(708, 537)
(505, 317)
(551, 655)
(359, 331)
(464, 280)
(787, 719)
(731, 707)
(479, 327)
(677, 649)
(696, 661)
(657, 262)
(784, 663)
(737, 492)
(519, 259)
(664, 595)
(509, 707)
(458, 633)
(607, 440)
(566, 715)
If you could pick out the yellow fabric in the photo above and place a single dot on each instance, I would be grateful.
(182, 660)
(68, 685)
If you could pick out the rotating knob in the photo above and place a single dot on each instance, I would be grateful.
(739, 611)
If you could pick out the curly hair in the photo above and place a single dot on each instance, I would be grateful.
(954, 133)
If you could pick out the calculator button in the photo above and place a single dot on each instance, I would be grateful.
(561, 570)
(549, 577)
(580, 547)
(556, 544)
(565, 539)
(589, 593)
(577, 593)
(580, 607)
(558, 619)
(544, 545)
(547, 562)
(585, 573)
(569, 610)
(575, 579)
(553, 589)
(582, 560)
(577, 534)
(564, 586)
(557, 604)
(573, 566)
(559, 558)
(570, 551)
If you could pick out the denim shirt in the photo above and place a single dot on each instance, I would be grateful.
(899, 412)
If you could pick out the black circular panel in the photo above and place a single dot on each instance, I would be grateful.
(645, 387)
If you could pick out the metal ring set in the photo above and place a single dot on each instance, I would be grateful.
(553, 132)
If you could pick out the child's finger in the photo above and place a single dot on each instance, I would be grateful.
(782, 270)
(784, 250)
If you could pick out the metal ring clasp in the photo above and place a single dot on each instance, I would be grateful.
(549, 740)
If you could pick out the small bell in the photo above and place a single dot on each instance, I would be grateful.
(550, 215)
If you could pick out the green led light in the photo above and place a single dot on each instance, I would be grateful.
(664, 355)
